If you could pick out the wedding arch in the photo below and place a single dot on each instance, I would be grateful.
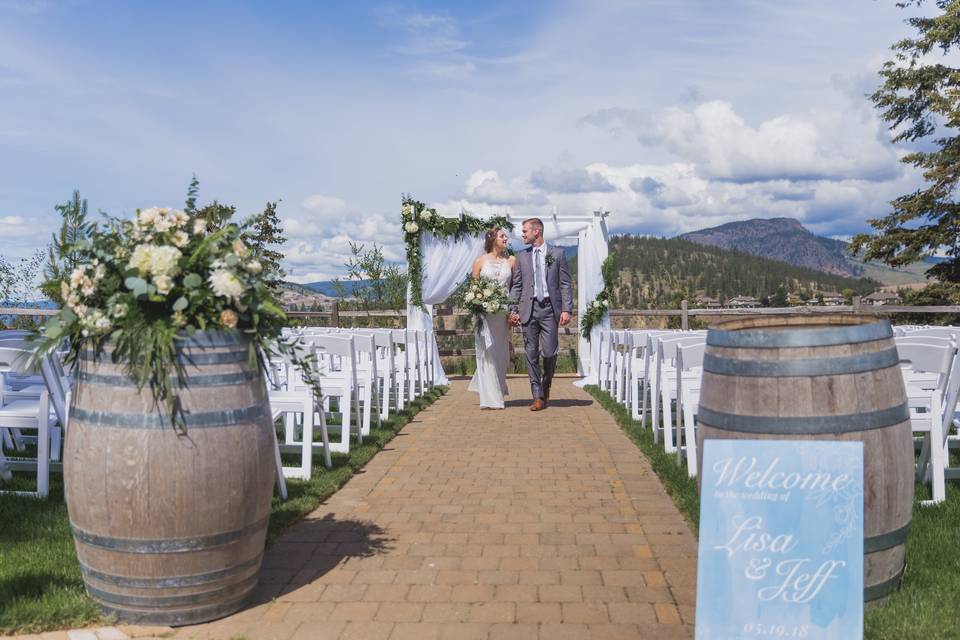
(441, 251)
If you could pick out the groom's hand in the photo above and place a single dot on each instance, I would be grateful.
(564, 318)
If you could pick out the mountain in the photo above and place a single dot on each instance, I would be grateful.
(327, 288)
(787, 240)
(659, 272)
(783, 239)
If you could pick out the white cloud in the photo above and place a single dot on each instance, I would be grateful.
(487, 187)
(819, 144)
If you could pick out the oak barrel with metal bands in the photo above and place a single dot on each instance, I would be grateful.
(836, 378)
(169, 526)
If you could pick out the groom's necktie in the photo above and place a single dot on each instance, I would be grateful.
(538, 286)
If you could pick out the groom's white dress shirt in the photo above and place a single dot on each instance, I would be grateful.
(540, 267)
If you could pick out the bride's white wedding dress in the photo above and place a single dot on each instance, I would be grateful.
(490, 380)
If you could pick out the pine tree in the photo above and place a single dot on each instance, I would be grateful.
(267, 232)
(920, 98)
(62, 257)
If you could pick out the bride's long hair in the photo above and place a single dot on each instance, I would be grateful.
(490, 239)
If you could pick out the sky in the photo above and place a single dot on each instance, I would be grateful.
(674, 115)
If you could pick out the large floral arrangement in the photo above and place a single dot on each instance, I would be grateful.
(417, 219)
(142, 285)
(600, 305)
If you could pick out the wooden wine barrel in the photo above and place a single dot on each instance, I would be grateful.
(821, 378)
(169, 526)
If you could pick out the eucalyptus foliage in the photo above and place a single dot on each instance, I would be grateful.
(141, 286)
(418, 219)
(920, 98)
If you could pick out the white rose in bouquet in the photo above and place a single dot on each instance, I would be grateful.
(163, 284)
(148, 216)
(199, 226)
(469, 296)
(480, 295)
(426, 214)
(606, 303)
(411, 227)
(408, 210)
(488, 292)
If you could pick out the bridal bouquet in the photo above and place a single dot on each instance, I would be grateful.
(483, 296)
(142, 285)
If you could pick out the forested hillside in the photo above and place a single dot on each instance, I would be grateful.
(658, 272)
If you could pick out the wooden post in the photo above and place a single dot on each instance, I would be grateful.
(335, 314)
(684, 316)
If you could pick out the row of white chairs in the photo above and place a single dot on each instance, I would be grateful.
(656, 375)
(369, 372)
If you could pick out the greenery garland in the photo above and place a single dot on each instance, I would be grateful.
(595, 311)
(418, 219)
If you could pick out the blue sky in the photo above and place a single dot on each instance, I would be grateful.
(673, 114)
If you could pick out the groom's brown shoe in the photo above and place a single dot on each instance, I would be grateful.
(538, 405)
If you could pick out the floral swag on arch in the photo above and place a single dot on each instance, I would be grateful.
(440, 253)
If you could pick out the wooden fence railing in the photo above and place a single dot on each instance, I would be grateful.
(337, 317)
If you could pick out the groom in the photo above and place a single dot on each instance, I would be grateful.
(541, 284)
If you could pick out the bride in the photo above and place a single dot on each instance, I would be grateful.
(490, 380)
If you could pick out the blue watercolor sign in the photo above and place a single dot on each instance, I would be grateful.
(781, 540)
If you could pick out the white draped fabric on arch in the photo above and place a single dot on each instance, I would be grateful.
(447, 262)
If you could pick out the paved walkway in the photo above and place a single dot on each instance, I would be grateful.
(485, 524)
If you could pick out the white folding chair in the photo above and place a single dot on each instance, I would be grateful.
(401, 371)
(640, 350)
(927, 407)
(663, 393)
(338, 360)
(368, 380)
(28, 414)
(292, 398)
(689, 377)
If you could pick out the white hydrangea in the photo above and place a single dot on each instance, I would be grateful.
(155, 260)
(469, 297)
(225, 284)
(488, 292)
(411, 227)
(426, 214)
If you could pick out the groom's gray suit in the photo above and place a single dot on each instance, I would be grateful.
(540, 319)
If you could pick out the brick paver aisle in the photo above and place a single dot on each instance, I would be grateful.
(485, 524)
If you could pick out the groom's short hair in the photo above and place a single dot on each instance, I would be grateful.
(536, 222)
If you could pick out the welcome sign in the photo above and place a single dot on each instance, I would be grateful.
(781, 540)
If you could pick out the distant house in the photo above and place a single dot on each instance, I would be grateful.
(833, 299)
(794, 299)
(706, 302)
(743, 302)
(881, 297)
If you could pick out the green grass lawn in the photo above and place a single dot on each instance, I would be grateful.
(927, 607)
(40, 583)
